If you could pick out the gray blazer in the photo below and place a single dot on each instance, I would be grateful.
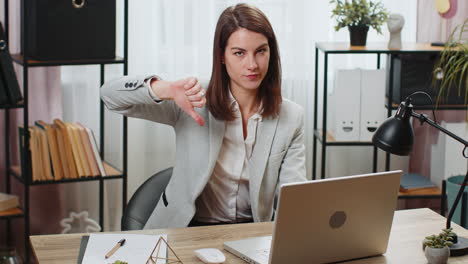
(278, 156)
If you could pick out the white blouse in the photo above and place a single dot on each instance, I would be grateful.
(226, 195)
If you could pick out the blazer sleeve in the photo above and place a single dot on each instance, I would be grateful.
(130, 96)
(293, 165)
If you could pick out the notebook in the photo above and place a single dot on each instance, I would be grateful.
(136, 249)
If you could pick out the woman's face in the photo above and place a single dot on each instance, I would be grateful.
(247, 56)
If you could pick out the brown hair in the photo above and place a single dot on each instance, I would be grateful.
(269, 93)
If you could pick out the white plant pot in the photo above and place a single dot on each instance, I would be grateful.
(437, 255)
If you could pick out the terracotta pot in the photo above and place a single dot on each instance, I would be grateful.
(437, 255)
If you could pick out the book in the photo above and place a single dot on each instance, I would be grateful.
(51, 133)
(96, 152)
(78, 151)
(62, 152)
(7, 73)
(86, 143)
(413, 181)
(36, 162)
(8, 201)
(67, 143)
(44, 153)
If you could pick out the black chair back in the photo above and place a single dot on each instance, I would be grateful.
(144, 200)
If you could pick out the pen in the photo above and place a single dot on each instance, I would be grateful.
(114, 249)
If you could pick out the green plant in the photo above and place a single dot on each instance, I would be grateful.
(359, 13)
(452, 68)
(440, 241)
(449, 232)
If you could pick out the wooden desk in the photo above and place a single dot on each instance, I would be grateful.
(408, 230)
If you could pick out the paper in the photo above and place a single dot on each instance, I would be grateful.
(136, 250)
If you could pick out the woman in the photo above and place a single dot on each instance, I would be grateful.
(236, 145)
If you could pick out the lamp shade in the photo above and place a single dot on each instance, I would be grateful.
(396, 134)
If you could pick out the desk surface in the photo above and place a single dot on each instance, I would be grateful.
(408, 230)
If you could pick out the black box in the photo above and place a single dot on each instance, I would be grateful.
(414, 72)
(70, 29)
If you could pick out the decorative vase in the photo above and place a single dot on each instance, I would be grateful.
(358, 35)
(437, 255)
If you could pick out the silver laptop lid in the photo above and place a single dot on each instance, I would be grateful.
(335, 219)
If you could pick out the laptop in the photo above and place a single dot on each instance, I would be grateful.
(327, 220)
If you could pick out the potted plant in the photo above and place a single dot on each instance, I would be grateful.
(451, 71)
(436, 247)
(358, 16)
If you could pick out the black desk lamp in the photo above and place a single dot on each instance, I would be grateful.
(395, 135)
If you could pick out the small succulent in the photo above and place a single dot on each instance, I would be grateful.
(441, 240)
(120, 262)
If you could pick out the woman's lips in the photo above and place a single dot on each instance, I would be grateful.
(252, 76)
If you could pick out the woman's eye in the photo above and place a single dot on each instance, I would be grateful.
(238, 53)
(262, 50)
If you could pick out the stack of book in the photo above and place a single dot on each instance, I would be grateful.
(62, 151)
(414, 181)
(8, 201)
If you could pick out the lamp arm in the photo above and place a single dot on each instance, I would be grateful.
(423, 119)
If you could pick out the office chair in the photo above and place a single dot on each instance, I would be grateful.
(144, 200)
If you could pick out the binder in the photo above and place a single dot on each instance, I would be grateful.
(373, 114)
(3, 96)
(27, 152)
(347, 97)
(9, 82)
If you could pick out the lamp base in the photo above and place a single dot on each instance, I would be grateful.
(460, 248)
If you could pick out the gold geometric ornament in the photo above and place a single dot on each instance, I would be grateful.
(154, 257)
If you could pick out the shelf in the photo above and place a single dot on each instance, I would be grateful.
(20, 104)
(111, 171)
(376, 47)
(429, 107)
(11, 213)
(434, 192)
(331, 141)
(18, 58)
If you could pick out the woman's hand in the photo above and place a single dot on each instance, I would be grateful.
(186, 93)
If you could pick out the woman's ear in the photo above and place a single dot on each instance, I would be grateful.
(222, 59)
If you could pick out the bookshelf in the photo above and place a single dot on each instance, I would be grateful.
(327, 140)
(338, 48)
(22, 174)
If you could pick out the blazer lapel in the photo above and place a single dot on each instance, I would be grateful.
(217, 128)
(265, 134)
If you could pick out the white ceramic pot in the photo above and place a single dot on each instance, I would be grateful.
(437, 255)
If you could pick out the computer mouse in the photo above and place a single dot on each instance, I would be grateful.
(210, 255)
